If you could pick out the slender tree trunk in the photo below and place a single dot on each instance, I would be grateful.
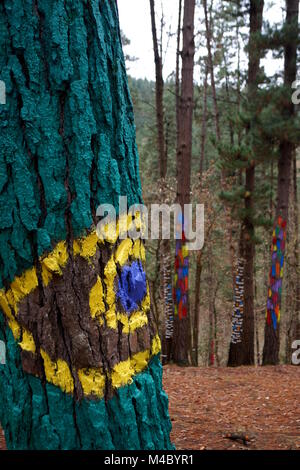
(292, 274)
(211, 327)
(182, 320)
(242, 343)
(286, 153)
(159, 93)
(177, 80)
(216, 341)
(295, 333)
(204, 121)
(228, 229)
(231, 129)
(199, 254)
(258, 361)
(236, 345)
(208, 28)
(197, 308)
(165, 247)
(248, 235)
(82, 369)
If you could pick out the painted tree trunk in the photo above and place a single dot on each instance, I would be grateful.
(295, 330)
(236, 345)
(168, 306)
(243, 318)
(286, 153)
(82, 355)
(181, 344)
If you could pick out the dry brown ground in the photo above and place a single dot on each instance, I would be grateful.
(207, 403)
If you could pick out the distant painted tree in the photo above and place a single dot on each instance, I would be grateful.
(288, 139)
(241, 350)
(82, 364)
(181, 338)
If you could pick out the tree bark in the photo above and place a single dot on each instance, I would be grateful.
(286, 152)
(243, 350)
(197, 308)
(165, 247)
(82, 368)
(159, 93)
(209, 36)
(204, 124)
(295, 330)
(177, 79)
(181, 344)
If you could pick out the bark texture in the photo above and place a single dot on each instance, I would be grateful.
(286, 153)
(242, 351)
(181, 305)
(165, 246)
(82, 367)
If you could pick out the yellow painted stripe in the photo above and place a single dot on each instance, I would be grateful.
(130, 324)
(12, 322)
(92, 381)
(97, 307)
(124, 371)
(138, 250)
(27, 343)
(110, 272)
(86, 246)
(21, 287)
(54, 262)
(156, 345)
(58, 373)
(123, 251)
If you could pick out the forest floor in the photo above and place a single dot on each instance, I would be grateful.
(208, 404)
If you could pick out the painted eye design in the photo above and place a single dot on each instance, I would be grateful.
(101, 297)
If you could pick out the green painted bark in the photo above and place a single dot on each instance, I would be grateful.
(68, 144)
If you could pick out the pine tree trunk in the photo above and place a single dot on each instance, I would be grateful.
(82, 368)
(197, 309)
(295, 330)
(181, 343)
(159, 92)
(177, 79)
(165, 247)
(199, 254)
(209, 37)
(248, 235)
(236, 349)
(286, 152)
(242, 340)
(204, 124)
